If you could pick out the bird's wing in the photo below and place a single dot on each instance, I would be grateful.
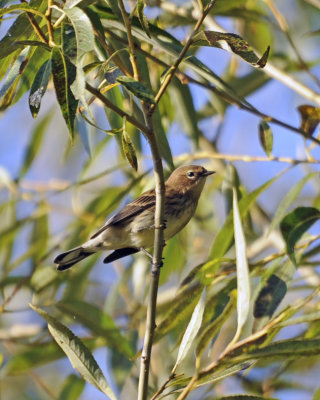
(143, 202)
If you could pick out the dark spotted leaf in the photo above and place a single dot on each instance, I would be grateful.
(64, 73)
(266, 137)
(39, 87)
(233, 43)
(310, 118)
(295, 224)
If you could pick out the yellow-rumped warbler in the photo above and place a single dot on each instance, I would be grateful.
(132, 229)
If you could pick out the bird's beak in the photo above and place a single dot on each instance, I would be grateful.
(207, 173)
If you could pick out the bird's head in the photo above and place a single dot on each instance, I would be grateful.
(189, 179)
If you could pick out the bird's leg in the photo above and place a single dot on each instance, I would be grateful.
(146, 252)
(149, 254)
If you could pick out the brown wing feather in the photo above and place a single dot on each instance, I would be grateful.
(143, 202)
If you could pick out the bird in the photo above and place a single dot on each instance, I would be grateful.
(132, 229)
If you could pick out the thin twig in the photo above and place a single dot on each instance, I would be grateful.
(49, 26)
(158, 222)
(245, 158)
(143, 128)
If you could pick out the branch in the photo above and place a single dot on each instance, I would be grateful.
(158, 222)
(245, 158)
(143, 128)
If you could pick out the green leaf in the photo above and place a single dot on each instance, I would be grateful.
(316, 395)
(289, 198)
(232, 43)
(64, 74)
(142, 18)
(270, 297)
(39, 87)
(137, 88)
(72, 388)
(192, 329)
(224, 237)
(21, 7)
(222, 307)
(35, 143)
(295, 224)
(98, 322)
(243, 279)
(35, 356)
(185, 113)
(78, 354)
(13, 78)
(83, 30)
(266, 137)
(284, 350)
(128, 148)
(244, 397)
(181, 307)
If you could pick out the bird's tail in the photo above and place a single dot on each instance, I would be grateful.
(71, 257)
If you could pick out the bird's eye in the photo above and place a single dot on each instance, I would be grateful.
(190, 174)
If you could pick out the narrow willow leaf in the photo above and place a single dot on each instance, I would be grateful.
(211, 376)
(128, 148)
(311, 317)
(39, 87)
(182, 306)
(33, 357)
(137, 88)
(142, 18)
(245, 397)
(316, 395)
(289, 198)
(295, 224)
(72, 388)
(20, 7)
(232, 43)
(270, 297)
(192, 329)
(310, 118)
(185, 113)
(64, 74)
(15, 72)
(83, 30)
(243, 279)
(98, 322)
(266, 137)
(35, 143)
(84, 45)
(79, 355)
(284, 349)
(211, 329)
(224, 237)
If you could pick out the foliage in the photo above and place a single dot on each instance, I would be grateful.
(108, 82)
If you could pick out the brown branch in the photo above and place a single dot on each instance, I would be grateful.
(143, 128)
